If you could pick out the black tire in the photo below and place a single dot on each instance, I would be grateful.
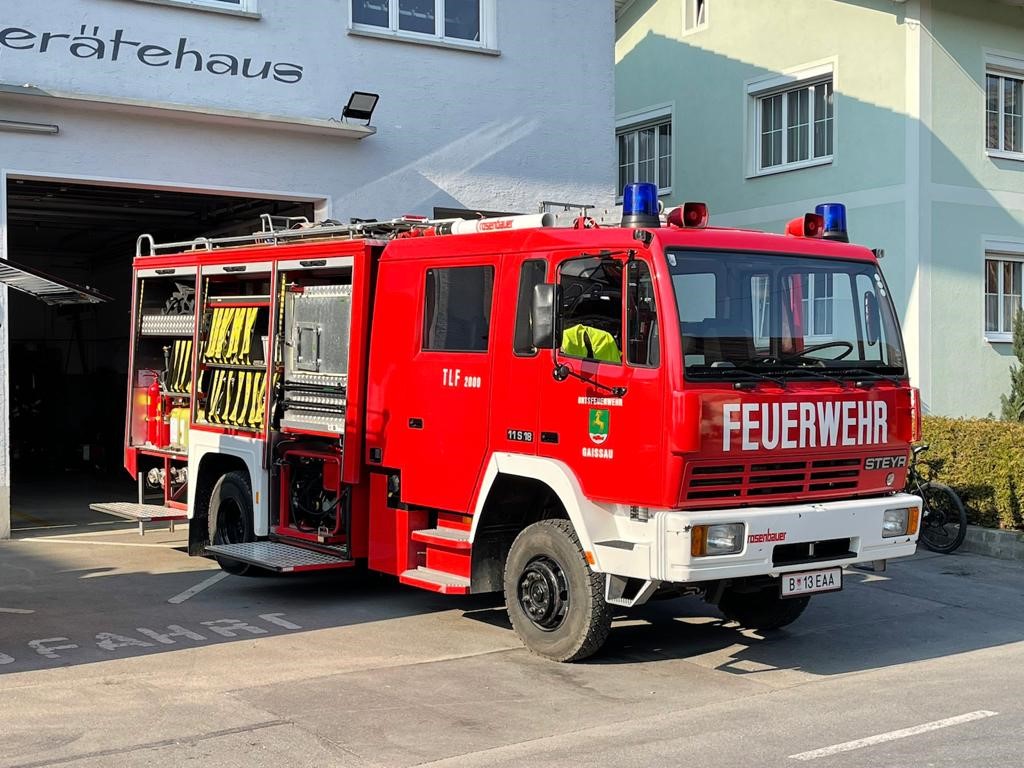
(554, 600)
(943, 518)
(231, 518)
(762, 610)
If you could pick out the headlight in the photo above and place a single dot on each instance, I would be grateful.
(720, 539)
(896, 522)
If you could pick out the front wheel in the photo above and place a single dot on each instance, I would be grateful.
(554, 600)
(943, 518)
(763, 609)
(231, 519)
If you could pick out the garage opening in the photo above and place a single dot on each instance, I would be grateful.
(68, 363)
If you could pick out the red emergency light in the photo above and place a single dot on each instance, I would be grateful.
(690, 215)
(810, 225)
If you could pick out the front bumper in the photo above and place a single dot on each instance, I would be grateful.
(665, 555)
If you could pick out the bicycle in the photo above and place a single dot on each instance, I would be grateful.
(943, 517)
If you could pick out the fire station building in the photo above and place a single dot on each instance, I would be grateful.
(189, 118)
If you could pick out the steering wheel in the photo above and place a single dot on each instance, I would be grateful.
(818, 347)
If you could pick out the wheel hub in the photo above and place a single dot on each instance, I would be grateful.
(544, 593)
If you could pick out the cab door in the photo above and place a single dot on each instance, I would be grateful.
(607, 427)
(445, 413)
(518, 366)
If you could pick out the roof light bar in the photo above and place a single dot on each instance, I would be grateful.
(640, 206)
(834, 215)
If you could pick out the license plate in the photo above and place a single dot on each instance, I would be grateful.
(807, 582)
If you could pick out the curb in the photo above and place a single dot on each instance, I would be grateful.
(992, 542)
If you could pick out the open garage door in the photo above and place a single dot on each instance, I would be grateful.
(49, 290)
(70, 249)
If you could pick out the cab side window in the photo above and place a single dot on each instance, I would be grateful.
(457, 309)
(591, 308)
(530, 274)
(643, 348)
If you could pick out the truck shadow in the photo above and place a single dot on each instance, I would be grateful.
(929, 607)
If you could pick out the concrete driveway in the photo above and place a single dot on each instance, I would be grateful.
(117, 650)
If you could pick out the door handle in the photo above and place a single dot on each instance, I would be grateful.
(415, 423)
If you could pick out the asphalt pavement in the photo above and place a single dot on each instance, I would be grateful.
(120, 650)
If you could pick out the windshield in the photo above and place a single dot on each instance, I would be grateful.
(783, 316)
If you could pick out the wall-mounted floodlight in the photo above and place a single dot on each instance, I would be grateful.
(360, 106)
(19, 127)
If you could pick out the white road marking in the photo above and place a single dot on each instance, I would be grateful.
(193, 591)
(16, 610)
(132, 531)
(79, 543)
(881, 738)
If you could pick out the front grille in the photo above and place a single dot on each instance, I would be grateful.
(811, 551)
(767, 481)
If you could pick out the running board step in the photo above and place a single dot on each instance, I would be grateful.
(450, 538)
(435, 581)
(140, 513)
(279, 557)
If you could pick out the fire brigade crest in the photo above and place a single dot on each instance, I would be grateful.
(598, 425)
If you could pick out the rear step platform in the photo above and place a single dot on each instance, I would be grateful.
(435, 581)
(141, 513)
(280, 557)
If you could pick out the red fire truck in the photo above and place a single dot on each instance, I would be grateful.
(581, 416)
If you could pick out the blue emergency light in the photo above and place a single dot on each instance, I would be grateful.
(834, 215)
(640, 205)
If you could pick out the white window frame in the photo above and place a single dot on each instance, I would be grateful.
(246, 8)
(1001, 65)
(808, 309)
(634, 122)
(488, 28)
(695, 15)
(757, 89)
(1001, 250)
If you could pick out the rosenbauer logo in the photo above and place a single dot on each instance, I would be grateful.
(761, 538)
(768, 426)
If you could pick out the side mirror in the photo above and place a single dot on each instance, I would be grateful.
(544, 315)
(872, 319)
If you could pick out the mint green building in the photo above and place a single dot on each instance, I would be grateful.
(909, 112)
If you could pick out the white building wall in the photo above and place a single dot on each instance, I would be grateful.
(530, 120)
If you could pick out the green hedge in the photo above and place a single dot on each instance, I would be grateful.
(983, 460)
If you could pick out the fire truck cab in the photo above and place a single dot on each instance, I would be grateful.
(581, 417)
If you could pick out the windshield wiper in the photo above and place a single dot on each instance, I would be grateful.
(812, 372)
(876, 374)
(727, 372)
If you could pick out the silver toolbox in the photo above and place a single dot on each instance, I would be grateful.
(317, 335)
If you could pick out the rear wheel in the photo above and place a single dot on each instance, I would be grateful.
(763, 609)
(554, 600)
(943, 518)
(231, 519)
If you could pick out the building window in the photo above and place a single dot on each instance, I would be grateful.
(464, 22)
(244, 6)
(457, 309)
(1002, 296)
(1004, 112)
(645, 154)
(695, 15)
(795, 126)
